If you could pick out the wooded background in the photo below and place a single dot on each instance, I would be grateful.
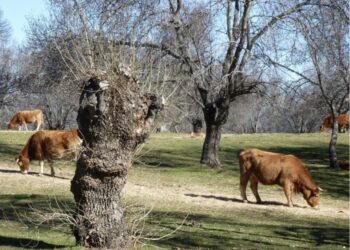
(176, 59)
(234, 66)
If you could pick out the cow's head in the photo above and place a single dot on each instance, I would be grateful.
(23, 164)
(312, 197)
(10, 126)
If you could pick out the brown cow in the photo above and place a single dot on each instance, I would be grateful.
(274, 168)
(343, 164)
(21, 118)
(48, 145)
(343, 124)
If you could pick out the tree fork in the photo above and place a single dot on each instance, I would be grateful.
(113, 119)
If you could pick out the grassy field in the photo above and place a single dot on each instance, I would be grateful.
(174, 202)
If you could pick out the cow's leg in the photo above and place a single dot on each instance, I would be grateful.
(41, 168)
(75, 155)
(38, 125)
(254, 186)
(52, 169)
(287, 187)
(25, 125)
(244, 177)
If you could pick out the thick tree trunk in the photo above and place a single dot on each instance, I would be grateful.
(210, 151)
(333, 163)
(197, 125)
(215, 115)
(113, 119)
(99, 218)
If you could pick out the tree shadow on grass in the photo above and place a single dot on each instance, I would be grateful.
(21, 211)
(19, 207)
(311, 155)
(10, 151)
(27, 243)
(320, 235)
(246, 230)
(10, 171)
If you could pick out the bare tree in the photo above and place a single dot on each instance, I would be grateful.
(218, 67)
(5, 30)
(327, 48)
(114, 115)
(218, 77)
(5, 61)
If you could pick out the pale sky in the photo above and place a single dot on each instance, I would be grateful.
(16, 11)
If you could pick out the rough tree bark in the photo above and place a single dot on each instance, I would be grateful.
(113, 119)
(215, 115)
(210, 151)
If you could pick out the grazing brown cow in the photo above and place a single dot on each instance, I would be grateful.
(343, 164)
(21, 118)
(48, 145)
(274, 168)
(343, 124)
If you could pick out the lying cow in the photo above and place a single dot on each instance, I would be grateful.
(48, 145)
(197, 135)
(21, 118)
(273, 168)
(343, 124)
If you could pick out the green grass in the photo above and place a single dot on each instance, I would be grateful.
(172, 160)
(176, 160)
(236, 229)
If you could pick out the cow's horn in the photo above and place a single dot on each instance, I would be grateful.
(320, 189)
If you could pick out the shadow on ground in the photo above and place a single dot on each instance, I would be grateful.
(26, 210)
(27, 243)
(238, 231)
(10, 171)
(223, 198)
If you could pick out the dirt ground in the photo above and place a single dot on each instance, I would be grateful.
(191, 195)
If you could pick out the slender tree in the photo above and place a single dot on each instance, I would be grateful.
(5, 60)
(327, 48)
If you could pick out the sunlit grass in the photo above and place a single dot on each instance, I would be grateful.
(172, 160)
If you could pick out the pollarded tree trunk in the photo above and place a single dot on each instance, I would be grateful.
(210, 151)
(113, 119)
(333, 163)
(215, 116)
